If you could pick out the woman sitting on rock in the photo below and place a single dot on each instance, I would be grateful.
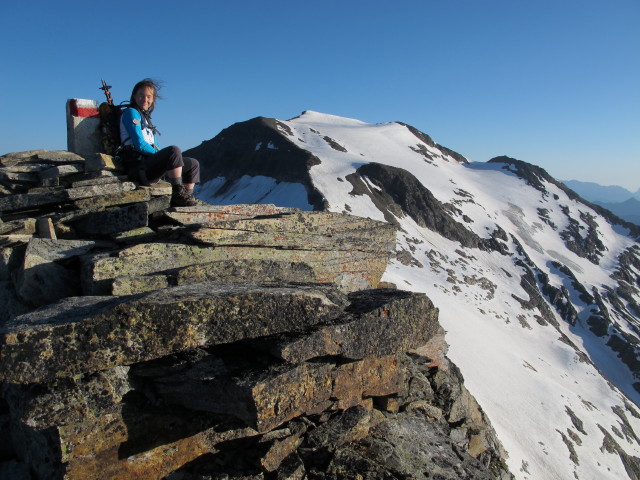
(144, 160)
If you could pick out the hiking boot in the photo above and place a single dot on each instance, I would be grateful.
(182, 197)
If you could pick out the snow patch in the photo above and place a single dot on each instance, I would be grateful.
(258, 189)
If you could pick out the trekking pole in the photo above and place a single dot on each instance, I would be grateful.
(107, 93)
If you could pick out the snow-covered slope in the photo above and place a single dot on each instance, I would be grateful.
(537, 291)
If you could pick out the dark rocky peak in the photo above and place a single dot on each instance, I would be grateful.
(527, 171)
(257, 147)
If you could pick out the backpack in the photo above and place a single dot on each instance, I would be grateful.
(110, 127)
(110, 122)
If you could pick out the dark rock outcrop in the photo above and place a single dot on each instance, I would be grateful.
(401, 193)
(429, 141)
(257, 147)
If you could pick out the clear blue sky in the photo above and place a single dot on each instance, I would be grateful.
(552, 82)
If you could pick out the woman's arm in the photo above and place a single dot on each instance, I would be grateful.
(132, 122)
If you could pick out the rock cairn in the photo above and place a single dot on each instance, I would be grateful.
(244, 341)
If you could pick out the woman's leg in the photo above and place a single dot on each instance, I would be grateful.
(190, 172)
(167, 161)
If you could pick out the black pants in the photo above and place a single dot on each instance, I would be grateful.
(158, 164)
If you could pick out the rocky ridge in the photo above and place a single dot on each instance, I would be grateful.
(243, 341)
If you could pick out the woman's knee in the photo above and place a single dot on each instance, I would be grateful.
(174, 157)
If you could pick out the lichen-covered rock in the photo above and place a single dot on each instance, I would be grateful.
(114, 220)
(112, 199)
(266, 399)
(404, 446)
(379, 322)
(87, 334)
(101, 270)
(302, 230)
(202, 214)
(234, 271)
(334, 259)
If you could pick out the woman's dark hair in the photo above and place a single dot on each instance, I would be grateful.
(147, 82)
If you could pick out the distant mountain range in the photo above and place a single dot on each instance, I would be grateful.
(620, 201)
(538, 288)
(595, 192)
(629, 210)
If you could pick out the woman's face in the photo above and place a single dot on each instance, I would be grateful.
(144, 97)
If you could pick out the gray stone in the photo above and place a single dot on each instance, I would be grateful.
(29, 168)
(61, 171)
(348, 251)
(281, 448)
(26, 226)
(45, 228)
(160, 188)
(102, 161)
(58, 156)
(98, 178)
(113, 199)
(12, 306)
(100, 270)
(14, 241)
(302, 230)
(8, 177)
(13, 158)
(42, 278)
(23, 201)
(10, 259)
(348, 426)
(97, 190)
(114, 220)
(141, 284)
(159, 203)
(137, 235)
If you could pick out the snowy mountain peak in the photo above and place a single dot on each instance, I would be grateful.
(311, 117)
(539, 290)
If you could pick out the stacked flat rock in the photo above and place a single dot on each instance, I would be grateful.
(243, 341)
(72, 226)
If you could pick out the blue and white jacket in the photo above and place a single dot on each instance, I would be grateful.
(135, 131)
